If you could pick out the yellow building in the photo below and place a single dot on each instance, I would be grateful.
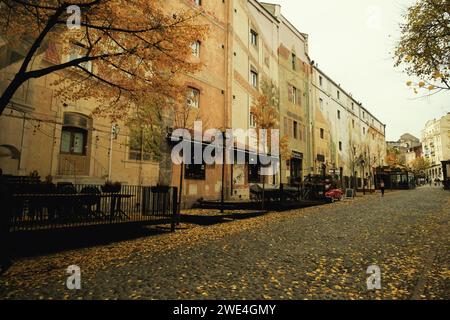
(248, 42)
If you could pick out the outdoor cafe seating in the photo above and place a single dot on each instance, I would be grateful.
(34, 202)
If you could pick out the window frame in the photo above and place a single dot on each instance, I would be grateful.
(251, 120)
(254, 38)
(73, 131)
(196, 48)
(143, 155)
(196, 104)
(254, 79)
(295, 130)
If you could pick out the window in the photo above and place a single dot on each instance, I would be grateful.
(254, 78)
(321, 103)
(195, 171)
(253, 38)
(353, 106)
(252, 120)
(320, 80)
(198, 2)
(193, 98)
(73, 141)
(138, 148)
(340, 145)
(294, 61)
(338, 94)
(254, 173)
(353, 123)
(364, 131)
(294, 95)
(322, 133)
(339, 114)
(196, 49)
(295, 130)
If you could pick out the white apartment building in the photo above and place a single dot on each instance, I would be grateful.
(353, 133)
(436, 145)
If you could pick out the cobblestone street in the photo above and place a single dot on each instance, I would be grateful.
(314, 253)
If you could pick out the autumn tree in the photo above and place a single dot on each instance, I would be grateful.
(265, 112)
(393, 158)
(420, 165)
(370, 159)
(183, 115)
(136, 48)
(354, 158)
(424, 46)
(146, 131)
(154, 117)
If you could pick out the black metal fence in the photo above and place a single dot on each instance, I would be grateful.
(43, 206)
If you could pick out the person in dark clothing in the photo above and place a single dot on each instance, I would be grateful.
(5, 220)
(382, 188)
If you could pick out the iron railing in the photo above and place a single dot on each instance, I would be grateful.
(43, 206)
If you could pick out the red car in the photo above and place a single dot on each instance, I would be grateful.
(335, 194)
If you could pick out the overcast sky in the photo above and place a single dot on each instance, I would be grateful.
(352, 41)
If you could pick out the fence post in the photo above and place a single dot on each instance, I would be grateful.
(174, 208)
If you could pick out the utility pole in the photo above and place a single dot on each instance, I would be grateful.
(222, 197)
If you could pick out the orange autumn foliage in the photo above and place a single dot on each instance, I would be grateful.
(136, 49)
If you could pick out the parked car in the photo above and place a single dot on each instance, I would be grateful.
(335, 194)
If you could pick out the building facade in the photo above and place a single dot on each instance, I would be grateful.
(436, 146)
(349, 142)
(409, 148)
(254, 61)
(249, 42)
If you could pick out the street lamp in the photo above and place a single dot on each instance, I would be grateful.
(114, 134)
(363, 163)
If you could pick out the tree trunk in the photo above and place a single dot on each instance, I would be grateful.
(165, 161)
(180, 188)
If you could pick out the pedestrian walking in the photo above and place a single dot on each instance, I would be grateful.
(382, 187)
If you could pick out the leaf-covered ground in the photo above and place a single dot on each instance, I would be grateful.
(315, 253)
